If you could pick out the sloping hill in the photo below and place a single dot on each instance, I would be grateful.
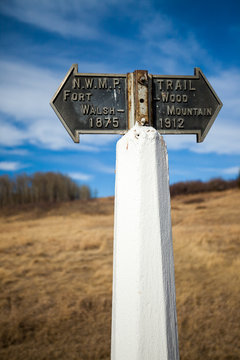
(56, 279)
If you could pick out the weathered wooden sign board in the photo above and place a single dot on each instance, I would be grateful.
(100, 103)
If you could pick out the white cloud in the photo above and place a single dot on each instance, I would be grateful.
(10, 134)
(231, 170)
(100, 140)
(25, 92)
(169, 49)
(82, 20)
(223, 137)
(50, 134)
(178, 142)
(226, 84)
(72, 17)
(224, 171)
(103, 168)
(18, 152)
(10, 165)
(203, 173)
(157, 27)
(80, 176)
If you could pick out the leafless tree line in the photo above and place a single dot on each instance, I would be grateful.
(53, 187)
(40, 187)
(194, 187)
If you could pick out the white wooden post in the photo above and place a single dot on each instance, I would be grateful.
(144, 322)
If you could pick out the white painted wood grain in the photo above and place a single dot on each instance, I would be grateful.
(144, 322)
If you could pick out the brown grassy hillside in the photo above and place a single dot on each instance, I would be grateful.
(56, 278)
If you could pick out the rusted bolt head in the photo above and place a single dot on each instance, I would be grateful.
(142, 80)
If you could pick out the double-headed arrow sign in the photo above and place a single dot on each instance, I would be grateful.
(100, 103)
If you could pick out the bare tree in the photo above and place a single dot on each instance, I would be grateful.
(40, 187)
(6, 190)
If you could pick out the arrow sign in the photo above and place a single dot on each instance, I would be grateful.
(184, 104)
(91, 103)
(101, 103)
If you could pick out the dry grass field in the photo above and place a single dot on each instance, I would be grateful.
(56, 279)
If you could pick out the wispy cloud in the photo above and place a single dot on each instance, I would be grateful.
(71, 18)
(17, 151)
(80, 176)
(26, 115)
(156, 40)
(27, 101)
(183, 173)
(26, 90)
(165, 42)
(10, 165)
(226, 83)
(234, 170)
(102, 168)
(223, 137)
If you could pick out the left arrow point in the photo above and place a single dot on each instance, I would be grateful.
(58, 100)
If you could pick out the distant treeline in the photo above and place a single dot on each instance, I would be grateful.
(40, 187)
(194, 187)
(53, 187)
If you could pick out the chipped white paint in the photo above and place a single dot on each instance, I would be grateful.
(144, 323)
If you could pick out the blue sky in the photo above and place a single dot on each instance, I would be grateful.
(41, 39)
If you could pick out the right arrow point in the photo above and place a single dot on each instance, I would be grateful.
(213, 100)
(184, 104)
